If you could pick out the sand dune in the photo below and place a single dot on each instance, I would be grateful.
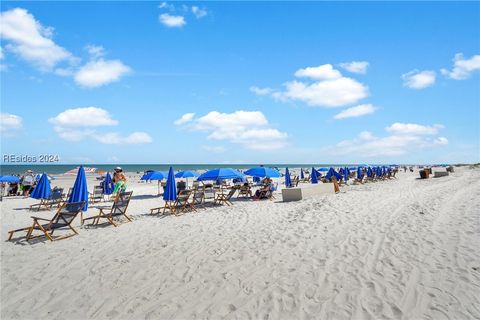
(398, 249)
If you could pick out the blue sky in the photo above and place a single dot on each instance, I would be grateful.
(253, 82)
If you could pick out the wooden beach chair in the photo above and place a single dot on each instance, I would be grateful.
(97, 194)
(336, 185)
(198, 198)
(245, 190)
(223, 198)
(181, 204)
(55, 199)
(118, 210)
(61, 220)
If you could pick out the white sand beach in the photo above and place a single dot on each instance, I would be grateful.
(398, 249)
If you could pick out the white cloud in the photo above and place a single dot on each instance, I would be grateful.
(83, 117)
(187, 117)
(396, 144)
(214, 149)
(1, 53)
(198, 12)
(30, 40)
(172, 21)
(261, 91)
(441, 141)
(463, 68)
(95, 51)
(115, 138)
(250, 129)
(79, 123)
(413, 128)
(100, 72)
(329, 93)
(323, 72)
(355, 66)
(10, 124)
(357, 111)
(416, 79)
(165, 5)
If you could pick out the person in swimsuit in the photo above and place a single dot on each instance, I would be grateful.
(120, 180)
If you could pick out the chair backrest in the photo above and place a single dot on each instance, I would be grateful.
(209, 193)
(56, 194)
(67, 213)
(198, 196)
(120, 203)
(69, 193)
(183, 196)
(231, 193)
(98, 191)
(181, 185)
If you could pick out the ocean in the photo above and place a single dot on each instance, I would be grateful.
(11, 169)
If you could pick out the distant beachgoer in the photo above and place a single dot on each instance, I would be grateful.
(27, 181)
(120, 180)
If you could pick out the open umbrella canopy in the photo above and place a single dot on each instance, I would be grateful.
(314, 176)
(80, 189)
(323, 169)
(220, 174)
(263, 172)
(9, 179)
(42, 190)
(108, 185)
(288, 179)
(155, 175)
(186, 174)
(170, 193)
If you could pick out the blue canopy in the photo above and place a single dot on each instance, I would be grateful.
(256, 179)
(80, 189)
(314, 176)
(323, 169)
(9, 179)
(42, 190)
(155, 175)
(263, 172)
(220, 174)
(38, 176)
(332, 173)
(346, 174)
(108, 185)
(352, 168)
(170, 193)
(359, 173)
(302, 175)
(288, 180)
(186, 174)
(369, 172)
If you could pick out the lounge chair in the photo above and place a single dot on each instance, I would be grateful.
(97, 194)
(118, 209)
(223, 198)
(61, 220)
(55, 199)
(181, 204)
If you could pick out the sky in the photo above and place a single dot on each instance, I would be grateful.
(232, 82)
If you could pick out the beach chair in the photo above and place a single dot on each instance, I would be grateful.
(181, 185)
(336, 185)
(118, 210)
(209, 195)
(97, 194)
(198, 198)
(55, 199)
(223, 198)
(61, 220)
(181, 204)
(245, 190)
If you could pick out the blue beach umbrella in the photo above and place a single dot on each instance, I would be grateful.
(38, 176)
(332, 173)
(42, 190)
(9, 179)
(263, 172)
(186, 174)
(323, 169)
(346, 174)
(314, 176)
(302, 175)
(220, 174)
(155, 175)
(359, 173)
(256, 179)
(288, 180)
(170, 193)
(80, 189)
(108, 185)
(369, 172)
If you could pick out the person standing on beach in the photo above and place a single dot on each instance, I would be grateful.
(120, 180)
(27, 182)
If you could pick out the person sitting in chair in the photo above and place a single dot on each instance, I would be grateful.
(264, 192)
(120, 180)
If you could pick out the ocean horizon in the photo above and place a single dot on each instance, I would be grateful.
(9, 169)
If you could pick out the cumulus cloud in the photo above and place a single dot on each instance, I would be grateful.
(187, 117)
(165, 5)
(81, 123)
(250, 129)
(323, 72)
(100, 72)
(10, 124)
(95, 51)
(357, 111)
(30, 40)
(198, 12)
(172, 21)
(83, 117)
(355, 66)
(261, 91)
(413, 128)
(416, 79)
(462, 68)
(395, 144)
